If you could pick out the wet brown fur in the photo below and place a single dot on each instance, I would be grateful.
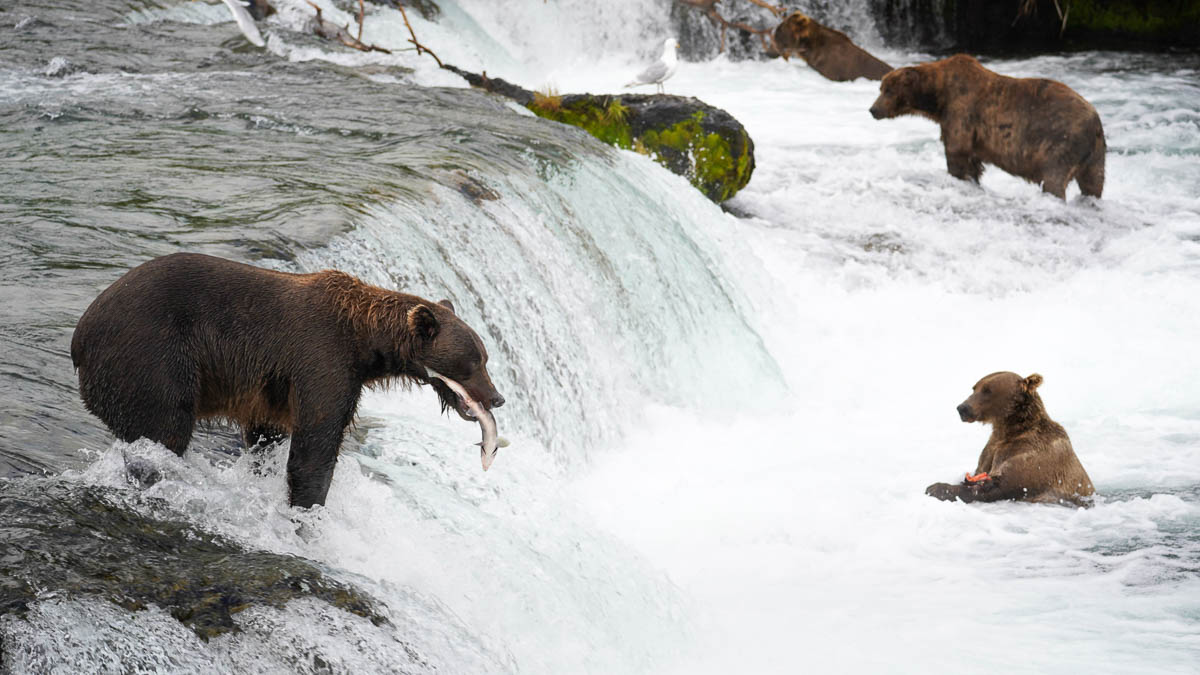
(1028, 457)
(827, 51)
(189, 337)
(1038, 129)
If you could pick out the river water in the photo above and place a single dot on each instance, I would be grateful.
(722, 420)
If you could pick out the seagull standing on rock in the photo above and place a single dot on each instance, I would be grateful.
(661, 69)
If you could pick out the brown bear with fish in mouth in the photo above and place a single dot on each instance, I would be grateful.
(188, 337)
(1028, 456)
(826, 50)
(1040, 130)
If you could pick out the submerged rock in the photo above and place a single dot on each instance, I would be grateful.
(706, 145)
(62, 539)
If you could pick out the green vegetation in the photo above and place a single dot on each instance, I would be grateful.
(1147, 19)
(716, 164)
(602, 117)
(715, 169)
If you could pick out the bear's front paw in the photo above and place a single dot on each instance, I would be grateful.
(943, 491)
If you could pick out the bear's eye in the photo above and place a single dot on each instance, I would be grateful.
(987, 390)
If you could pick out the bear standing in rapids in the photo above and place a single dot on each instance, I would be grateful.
(1040, 130)
(187, 337)
(1028, 456)
(825, 50)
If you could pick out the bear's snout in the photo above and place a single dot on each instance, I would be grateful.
(964, 413)
(877, 112)
(496, 401)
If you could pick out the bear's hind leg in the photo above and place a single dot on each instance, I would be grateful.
(157, 406)
(170, 423)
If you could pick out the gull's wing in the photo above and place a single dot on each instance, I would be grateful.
(655, 73)
(245, 22)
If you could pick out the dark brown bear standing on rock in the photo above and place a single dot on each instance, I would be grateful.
(826, 50)
(1040, 130)
(188, 337)
(1028, 457)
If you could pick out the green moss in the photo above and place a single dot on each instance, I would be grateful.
(602, 117)
(706, 159)
(715, 170)
(1144, 19)
(615, 112)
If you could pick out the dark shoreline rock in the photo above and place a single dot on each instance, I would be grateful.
(706, 145)
(63, 539)
(1003, 27)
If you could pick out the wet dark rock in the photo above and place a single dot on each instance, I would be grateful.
(428, 8)
(495, 85)
(472, 188)
(1007, 26)
(63, 539)
(700, 38)
(706, 145)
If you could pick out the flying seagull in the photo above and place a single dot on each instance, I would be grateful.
(658, 71)
(244, 21)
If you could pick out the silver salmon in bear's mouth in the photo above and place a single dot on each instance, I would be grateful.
(487, 422)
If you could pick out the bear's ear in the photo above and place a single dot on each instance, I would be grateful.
(1033, 382)
(448, 305)
(422, 322)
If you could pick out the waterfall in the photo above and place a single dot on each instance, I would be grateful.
(590, 306)
(914, 24)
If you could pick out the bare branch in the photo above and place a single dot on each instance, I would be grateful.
(318, 9)
(765, 35)
(420, 47)
(336, 33)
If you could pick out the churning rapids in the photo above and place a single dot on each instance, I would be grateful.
(722, 421)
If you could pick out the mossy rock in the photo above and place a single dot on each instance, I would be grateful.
(64, 539)
(706, 145)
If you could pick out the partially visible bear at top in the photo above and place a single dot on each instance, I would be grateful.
(1040, 130)
(826, 50)
(1028, 457)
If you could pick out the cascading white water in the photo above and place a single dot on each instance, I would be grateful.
(852, 17)
(590, 306)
